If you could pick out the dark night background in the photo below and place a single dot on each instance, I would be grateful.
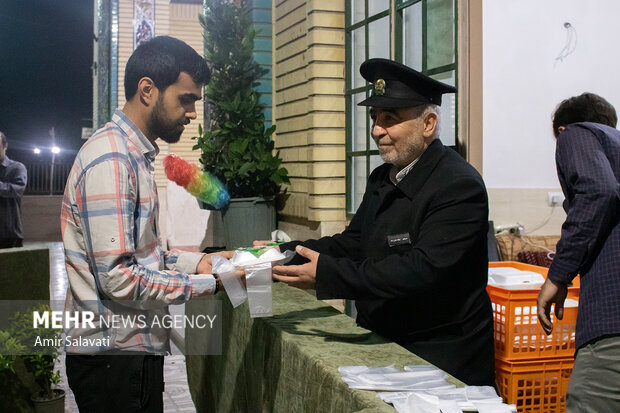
(46, 53)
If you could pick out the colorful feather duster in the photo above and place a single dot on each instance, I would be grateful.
(201, 184)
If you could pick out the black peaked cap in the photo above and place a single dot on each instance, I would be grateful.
(398, 86)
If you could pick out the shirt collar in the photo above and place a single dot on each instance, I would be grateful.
(5, 162)
(135, 135)
(396, 176)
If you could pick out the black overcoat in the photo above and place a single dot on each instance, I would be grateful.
(414, 259)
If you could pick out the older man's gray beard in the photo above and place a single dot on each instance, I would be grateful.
(411, 154)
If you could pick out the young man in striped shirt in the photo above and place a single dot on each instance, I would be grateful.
(114, 259)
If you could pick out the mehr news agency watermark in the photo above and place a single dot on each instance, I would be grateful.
(33, 327)
(86, 319)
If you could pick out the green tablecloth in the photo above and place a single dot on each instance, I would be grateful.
(289, 362)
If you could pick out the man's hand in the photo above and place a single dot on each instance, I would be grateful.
(241, 275)
(205, 267)
(237, 274)
(263, 243)
(551, 293)
(299, 276)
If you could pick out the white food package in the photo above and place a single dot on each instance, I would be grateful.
(258, 278)
(513, 278)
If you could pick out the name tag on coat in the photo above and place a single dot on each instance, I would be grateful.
(398, 239)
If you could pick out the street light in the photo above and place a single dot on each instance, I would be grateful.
(55, 150)
(36, 151)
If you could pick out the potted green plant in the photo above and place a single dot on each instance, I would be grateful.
(237, 145)
(14, 392)
(17, 345)
(9, 348)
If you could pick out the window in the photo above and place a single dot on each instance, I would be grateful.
(418, 33)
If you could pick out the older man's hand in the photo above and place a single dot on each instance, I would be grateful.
(299, 276)
(264, 243)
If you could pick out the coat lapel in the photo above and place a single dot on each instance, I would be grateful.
(421, 171)
(411, 184)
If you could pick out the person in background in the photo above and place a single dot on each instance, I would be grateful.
(113, 252)
(414, 257)
(13, 180)
(588, 164)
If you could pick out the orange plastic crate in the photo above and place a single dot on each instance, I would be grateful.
(535, 386)
(518, 335)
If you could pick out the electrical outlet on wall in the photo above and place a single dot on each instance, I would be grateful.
(514, 229)
(555, 198)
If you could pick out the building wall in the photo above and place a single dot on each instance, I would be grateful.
(301, 44)
(523, 81)
(178, 20)
(309, 112)
(184, 24)
(41, 218)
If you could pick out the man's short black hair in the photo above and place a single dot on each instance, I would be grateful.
(163, 58)
(3, 140)
(587, 107)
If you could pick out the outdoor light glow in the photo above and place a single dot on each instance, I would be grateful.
(55, 149)
(37, 151)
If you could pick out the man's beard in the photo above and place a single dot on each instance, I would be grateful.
(402, 156)
(167, 131)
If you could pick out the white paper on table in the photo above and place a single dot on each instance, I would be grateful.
(449, 406)
(392, 396)
(390, 378)
(399, 401)
(355, 370)
(480, 393)
(407, 377)
(483, 407)
(457, 394)
(422, 403)
(467, 398)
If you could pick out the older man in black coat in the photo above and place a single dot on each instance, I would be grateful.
(414, 257)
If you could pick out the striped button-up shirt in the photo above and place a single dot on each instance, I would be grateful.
(115, 262)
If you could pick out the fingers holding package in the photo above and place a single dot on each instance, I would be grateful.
(265, 243)
(299, 276)
(205, 265)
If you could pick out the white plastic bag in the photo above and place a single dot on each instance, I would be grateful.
(231, 282)
(257, 263)
(423, 403)
(469, 398)
(251, 256)
(389, 378)
(258, 282)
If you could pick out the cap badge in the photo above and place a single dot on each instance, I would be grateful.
(380, 87)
